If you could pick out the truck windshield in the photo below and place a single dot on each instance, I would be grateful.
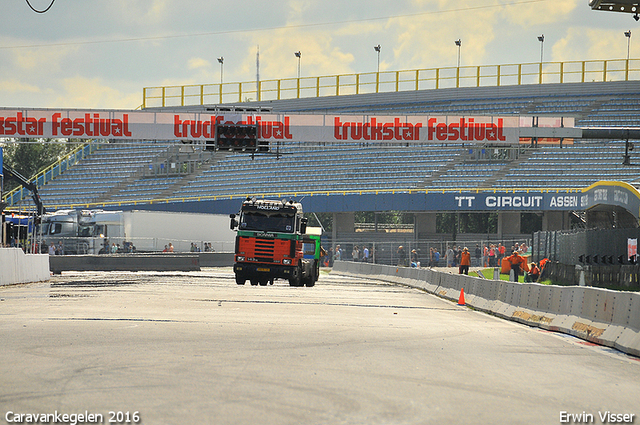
(267, 223)
(85, 230)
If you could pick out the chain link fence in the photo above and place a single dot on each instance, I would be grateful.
(405, 253)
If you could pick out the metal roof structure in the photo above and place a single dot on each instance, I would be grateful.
(626, 6)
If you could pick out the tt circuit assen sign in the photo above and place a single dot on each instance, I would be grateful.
(141, 125)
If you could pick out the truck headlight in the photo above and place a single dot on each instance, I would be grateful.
(286, 261)
(239, 258)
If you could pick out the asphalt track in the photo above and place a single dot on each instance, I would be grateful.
(195, 348)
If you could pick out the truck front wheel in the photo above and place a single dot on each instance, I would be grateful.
(296, 277)
(240, 280)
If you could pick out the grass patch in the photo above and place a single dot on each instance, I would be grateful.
(488, 274)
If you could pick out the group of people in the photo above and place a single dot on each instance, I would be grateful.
(195, 248)
(115, 248)
(362, 254)
(52, 248)
(490, 255)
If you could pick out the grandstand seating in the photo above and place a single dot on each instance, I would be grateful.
(114, 172)
(94, 177)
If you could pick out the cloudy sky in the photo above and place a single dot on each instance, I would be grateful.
(101, 53)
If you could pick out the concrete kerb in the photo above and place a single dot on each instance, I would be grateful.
(601, 316)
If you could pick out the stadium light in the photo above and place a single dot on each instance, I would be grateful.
(377, 49)
(628, 35)
(221, 62)
(298, 55)
(541, 40)
(459, 44)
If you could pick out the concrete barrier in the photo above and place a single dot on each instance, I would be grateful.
(18, 267)
(216, 259)
(602, 316)
(125, 262)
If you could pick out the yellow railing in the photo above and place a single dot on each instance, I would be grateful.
(299, 194)
(394, 81)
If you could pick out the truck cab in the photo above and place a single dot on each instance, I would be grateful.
(270, 244)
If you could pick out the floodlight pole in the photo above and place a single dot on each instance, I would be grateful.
(377, 49)
(628, 35)
(541, 40)
(298, 54)
(221, 62)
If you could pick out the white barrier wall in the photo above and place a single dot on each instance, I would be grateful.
(18, 267)
(603, 316)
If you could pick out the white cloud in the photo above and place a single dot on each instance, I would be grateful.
(197, 63)
(14, 85)
(582, 43)
(541, 13)
(84, 92)
(139, 12)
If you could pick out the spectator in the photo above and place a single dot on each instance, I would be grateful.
(338, 254)
(355, 253)
(502, 250)
(533, 274)
(436, 257)
(365, 254)
(478, 256)
(465, 261)
(414, 258)
(402, 256)
(448, 256)
(492, 255)
(516, 261)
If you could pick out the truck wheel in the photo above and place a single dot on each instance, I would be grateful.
(296, 277)
(263, 282)
(240, 280)
(310, 282)
(254, 282)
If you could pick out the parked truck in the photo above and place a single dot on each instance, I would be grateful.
(97, 231)
(274, 242)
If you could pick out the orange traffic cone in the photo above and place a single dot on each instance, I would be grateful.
(461, 299)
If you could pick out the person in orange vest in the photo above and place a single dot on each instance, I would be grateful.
(533, 274)
(516, 261)
(465, 261)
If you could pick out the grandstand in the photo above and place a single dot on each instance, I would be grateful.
(124, 173)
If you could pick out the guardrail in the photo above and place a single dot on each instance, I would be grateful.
(602, 316)
(393, 81)
(54, 170)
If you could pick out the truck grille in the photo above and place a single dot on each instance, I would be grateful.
(264, 250)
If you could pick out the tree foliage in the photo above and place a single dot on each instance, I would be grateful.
(29, 157)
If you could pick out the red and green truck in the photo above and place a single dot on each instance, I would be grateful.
(274, 242)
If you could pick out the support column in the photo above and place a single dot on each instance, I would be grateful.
(555, 220)
(508, 224)
(344, 223)
(425, 225)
